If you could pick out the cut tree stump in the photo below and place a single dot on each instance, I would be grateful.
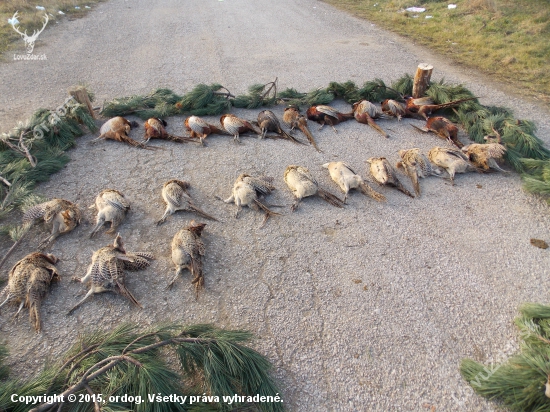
(80, 94)
(422, 79)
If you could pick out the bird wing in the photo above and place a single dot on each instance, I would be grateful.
(348, 167)
(139, 260)
(261, 185)
(455, 152)
(305, 175)
(421, 101)
(330, 111)
(495, 150)
(173, 193)
(116, 199)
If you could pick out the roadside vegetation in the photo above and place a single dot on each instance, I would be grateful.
(506, 39)
(30, 18)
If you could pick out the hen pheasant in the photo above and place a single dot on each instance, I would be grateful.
(416, 165)
(176, 197)
(187, 253)
(452, 160)
(111, 207)
(63, 215)
(28, 283)
(302, 184)
(342, 174)
(106, 272)
(383, 172)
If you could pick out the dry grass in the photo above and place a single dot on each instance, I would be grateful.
(506, 39)
(30, 18)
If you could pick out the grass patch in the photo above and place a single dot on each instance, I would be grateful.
(30, 18)
(506, 39)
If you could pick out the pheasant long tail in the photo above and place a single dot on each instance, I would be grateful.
(126, 293)
(399, 186)
(413, 175)
(330, 198)
(203, 214)
(285, 135)
(309, 136)
(198, 278)
(180, 139)
(366, 119)
(369, 191)
(217, 130)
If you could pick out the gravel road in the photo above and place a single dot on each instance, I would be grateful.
(370, 307)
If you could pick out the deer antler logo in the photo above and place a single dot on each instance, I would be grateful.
(29, 40)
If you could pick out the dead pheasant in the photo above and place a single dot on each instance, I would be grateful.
(294, 118)
(248, 191)
(395, 109)
(28, 283)
(416, 165)
(303, 184)
(106, 272)
(485, 156)
(342, 174)
(323, 114)
(187, 252)
(424, 106)
(63, 215)
(176, 197)
(268, 122)
(117, 129)
(383, 172)
(365, 112)
(235, 126)
(452, 160)
(155, 129)
(442, 127)
(111, 207)
(198, 128)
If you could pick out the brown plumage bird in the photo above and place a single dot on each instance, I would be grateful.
(343, 175)
(416, 165)
(176, 197)
(485, 156)
(268, 122)
(117, 129)
(323, 114)
(198, 128)
(365, 112)
(395, 109)
(111, 207)
(302, 184)
(235, 126)
(63, 215)
(424, 106)
(28, 282)
(443, 128)
(452, 160)
(187, 252)
(294, 118)
(106, 272)
(155, 129)
(248, 191)
(383, 172)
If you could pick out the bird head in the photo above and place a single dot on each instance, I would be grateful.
(118, 244)
(293, 107)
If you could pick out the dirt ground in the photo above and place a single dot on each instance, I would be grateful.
(369, 307)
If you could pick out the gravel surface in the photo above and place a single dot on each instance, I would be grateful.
(370, 307)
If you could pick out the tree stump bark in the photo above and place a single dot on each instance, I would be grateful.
(80, 94)
(422, 79)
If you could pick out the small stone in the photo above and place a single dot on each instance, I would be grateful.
(539, 243)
